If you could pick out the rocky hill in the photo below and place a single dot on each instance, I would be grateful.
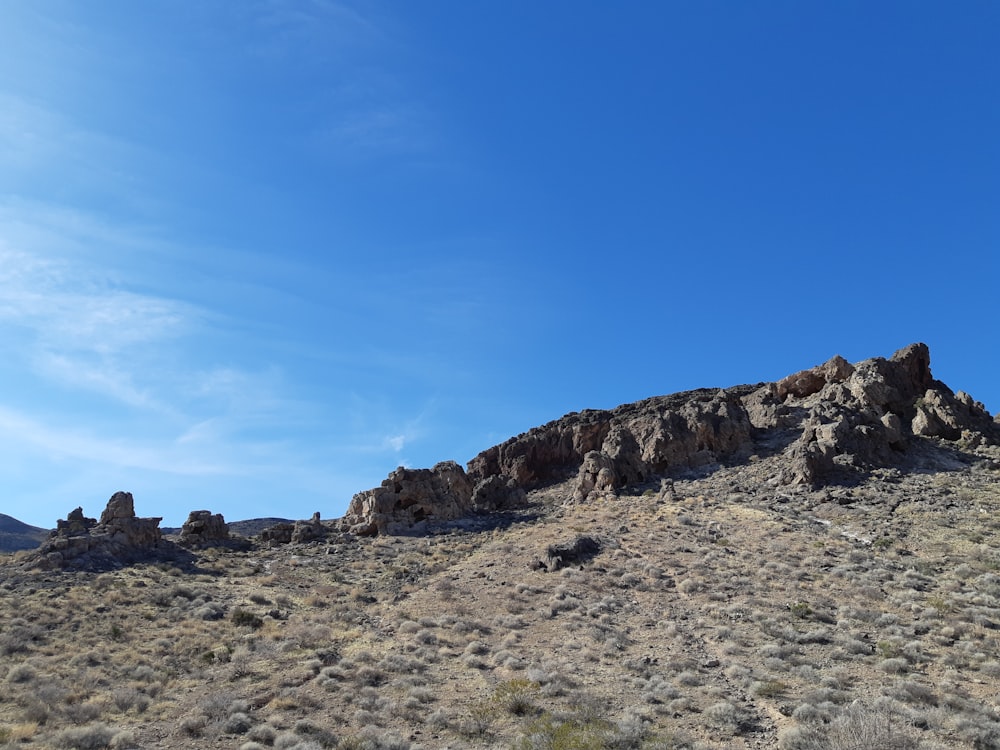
(832, 424)
(15, 535)
(810, 564)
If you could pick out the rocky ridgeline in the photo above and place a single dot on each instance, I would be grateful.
(825, 424)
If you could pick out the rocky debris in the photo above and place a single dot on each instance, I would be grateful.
(203, 528)
(826, 423)
(579, 551)
(119, 536)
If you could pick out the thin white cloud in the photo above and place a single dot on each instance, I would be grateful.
(61, 442)
(103, 377)
(316, 29)
(82, 331)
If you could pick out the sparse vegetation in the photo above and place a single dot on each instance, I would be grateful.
(705, 622)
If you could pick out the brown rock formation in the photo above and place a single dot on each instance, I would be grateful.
(203, 528)
(295, 533)
(827, 420)
(411, 496)
(118, 536)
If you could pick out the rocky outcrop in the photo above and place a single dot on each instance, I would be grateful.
(864, 417)
(497, 493)
(409, 497)
(626, 445)
(824, 421)
(297, 532)
(119, 536)
(808, 382)
(597, 472)
(204, 529)
(75, 524)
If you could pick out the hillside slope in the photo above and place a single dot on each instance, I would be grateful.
(15, 535)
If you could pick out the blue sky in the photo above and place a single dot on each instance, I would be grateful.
(254, 255)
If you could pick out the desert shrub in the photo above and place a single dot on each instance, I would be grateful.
(124, 740)
(858, 726)
(192, 726)
(241, 663)
(18, 637)
(21, 673)
(724, 715)
(85, 738)
(516, 697)
(124, 698)
(237, 723)
(210, 611)
(768, 688)
(554, 733)
(315, 733)
(371, 738)
(243, 618)
(371, 676)
(82, 713)
(263, 733)
(914, 692)
(895, 665)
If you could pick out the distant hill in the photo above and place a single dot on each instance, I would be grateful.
(247, 528)
(15, 535)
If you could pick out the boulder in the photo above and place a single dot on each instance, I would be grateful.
(120, 506)
(203, 528)
(575, 552)
(597, 473)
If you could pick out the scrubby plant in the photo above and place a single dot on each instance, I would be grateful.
(94, 737)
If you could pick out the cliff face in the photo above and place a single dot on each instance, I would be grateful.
(825, 423)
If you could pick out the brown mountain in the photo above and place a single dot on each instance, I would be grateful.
(15, 535)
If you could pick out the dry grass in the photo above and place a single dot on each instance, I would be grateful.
(736, 616)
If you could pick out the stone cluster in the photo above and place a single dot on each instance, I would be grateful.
(297, 532)
(118, 535)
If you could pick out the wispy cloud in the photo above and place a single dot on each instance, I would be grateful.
(64, 442)
(82, 330)
(316, 29)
